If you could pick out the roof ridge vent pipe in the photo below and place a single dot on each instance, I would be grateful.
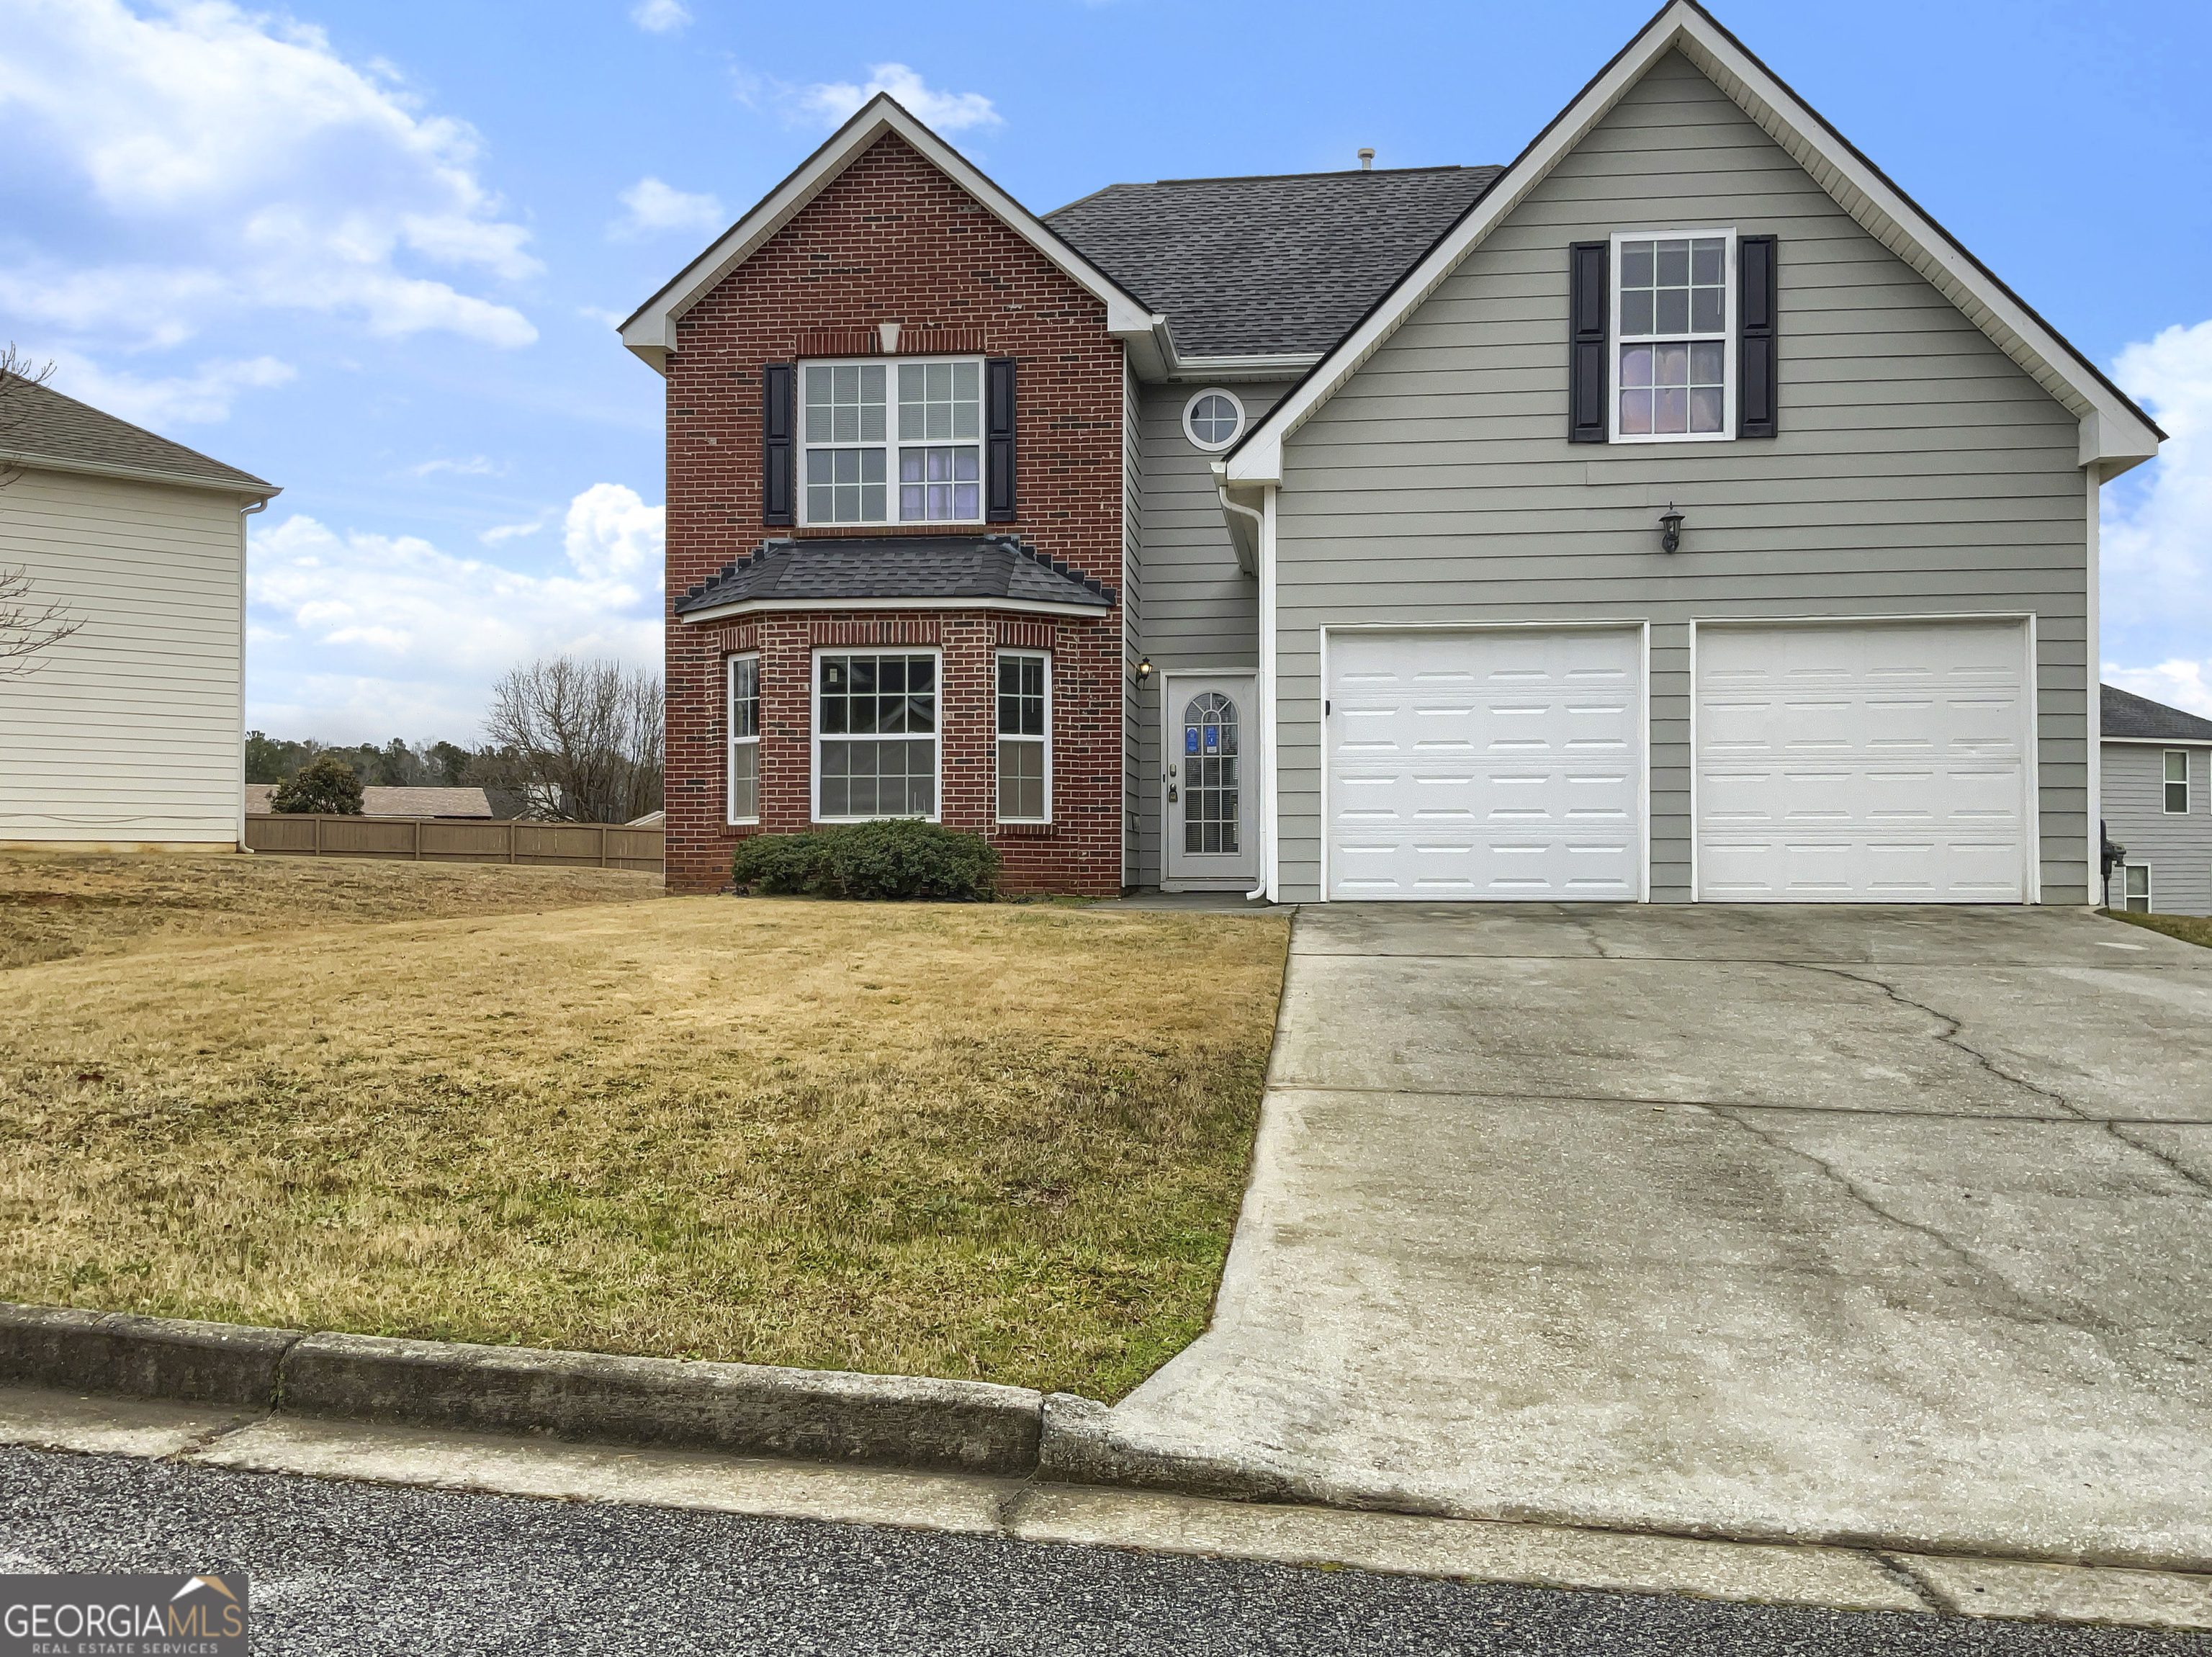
(1367, 161)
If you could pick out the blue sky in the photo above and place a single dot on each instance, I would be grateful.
(375, 252)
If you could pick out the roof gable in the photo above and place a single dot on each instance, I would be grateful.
(2115, 434)
(651, 331)
(2137, 718)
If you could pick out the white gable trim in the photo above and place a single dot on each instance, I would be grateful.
(651, 333)
(2115, 435)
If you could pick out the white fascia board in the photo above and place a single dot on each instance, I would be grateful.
(651, 332)
(2157, 742)
(12, 460)
(1282, 365)
(1025, 606)
(2115, 435)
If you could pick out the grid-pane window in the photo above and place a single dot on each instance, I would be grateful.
(846, 414)
(2137, 888)
(1211, 782)
(1671, 328)
(744, 739)
(2177, 779)
(876, 736)
(1024, 736)
(940, 421)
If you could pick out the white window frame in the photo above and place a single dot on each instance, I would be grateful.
(1730, 385)
(891, 444)
(814, 719)
(1190, 408)
(2168, 783)
(736, 742)
(997, 737)
(2150, 901)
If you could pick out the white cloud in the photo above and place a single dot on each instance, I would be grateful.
(610, 533)
(498, 534)
(476, 465)
(2178, 684)
(222, 162)
(2156, 540)
(656, 206)
(945, 112)
(201, 398)
(359, 635)
(660, 16)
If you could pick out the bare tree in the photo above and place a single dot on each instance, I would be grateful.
(581, 741)
(26, 626)
(18, 373)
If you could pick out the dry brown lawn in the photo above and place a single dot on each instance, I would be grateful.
(57, 905)
(1005, 1142)
(2190, 929)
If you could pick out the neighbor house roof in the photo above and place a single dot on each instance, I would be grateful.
(892, 572)
(1261, 266)
(378, 801)
(2114, 433)
(2131, 718)
(39, 427)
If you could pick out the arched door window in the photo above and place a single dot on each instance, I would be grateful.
(1211, 779)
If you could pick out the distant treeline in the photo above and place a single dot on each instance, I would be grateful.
(396, 765)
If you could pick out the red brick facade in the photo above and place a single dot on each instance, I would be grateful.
(893, 240)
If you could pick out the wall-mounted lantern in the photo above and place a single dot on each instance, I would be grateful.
(1144, 670)
(1670, 530)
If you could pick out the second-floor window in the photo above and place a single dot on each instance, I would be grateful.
(1674, 312)
(893, 442)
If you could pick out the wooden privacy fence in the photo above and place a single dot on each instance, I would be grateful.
(450, 840)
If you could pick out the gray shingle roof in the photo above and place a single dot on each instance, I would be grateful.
(983, 567)
(2128, 714)
(37, 422)
(1263, 266)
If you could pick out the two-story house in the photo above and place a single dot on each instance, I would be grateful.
(1676, 513)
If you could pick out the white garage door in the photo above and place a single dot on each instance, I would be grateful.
(1871, 764)
(1504, 765)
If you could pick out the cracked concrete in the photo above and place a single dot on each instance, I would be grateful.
(1624, 1217)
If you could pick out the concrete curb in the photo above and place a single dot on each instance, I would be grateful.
(1078, 1446)
(900, 1421)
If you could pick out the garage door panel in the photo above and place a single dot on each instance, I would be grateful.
(1499, 765)
(1867, 762)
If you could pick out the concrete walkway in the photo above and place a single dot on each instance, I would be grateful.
(1852, 1225)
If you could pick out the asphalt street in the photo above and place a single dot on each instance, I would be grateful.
(345, 1568)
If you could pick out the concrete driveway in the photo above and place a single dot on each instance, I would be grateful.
(1884, 1226)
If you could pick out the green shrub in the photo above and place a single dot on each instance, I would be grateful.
(325, 785)
(895, 858)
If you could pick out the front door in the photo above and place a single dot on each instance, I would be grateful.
(1206, 784)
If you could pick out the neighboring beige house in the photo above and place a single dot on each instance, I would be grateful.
(130, 733)
(378, 800)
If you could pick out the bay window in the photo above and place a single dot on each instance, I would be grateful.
(1024, 702)
(853, 442)
(875, 735)
(745, 739)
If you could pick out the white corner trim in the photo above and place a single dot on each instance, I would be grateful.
(650, 332)
(2114, 435)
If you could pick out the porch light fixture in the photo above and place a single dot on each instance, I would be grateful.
(1670, 530)
(1143, 669)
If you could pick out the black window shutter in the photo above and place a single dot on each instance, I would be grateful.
(778, 394)
(1589, 300)
(998, 441)
(1758, 394)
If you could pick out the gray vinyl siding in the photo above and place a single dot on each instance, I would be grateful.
(1132, 586)
(2178, 846)
(1201, 609)
(1918, 472)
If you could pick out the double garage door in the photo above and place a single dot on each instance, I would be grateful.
(1871, 762)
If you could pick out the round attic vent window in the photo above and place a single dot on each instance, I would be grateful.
(1212, 418)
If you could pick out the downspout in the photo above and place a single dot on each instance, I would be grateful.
(2094, 759)
(244, 543)
(1263, 541)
